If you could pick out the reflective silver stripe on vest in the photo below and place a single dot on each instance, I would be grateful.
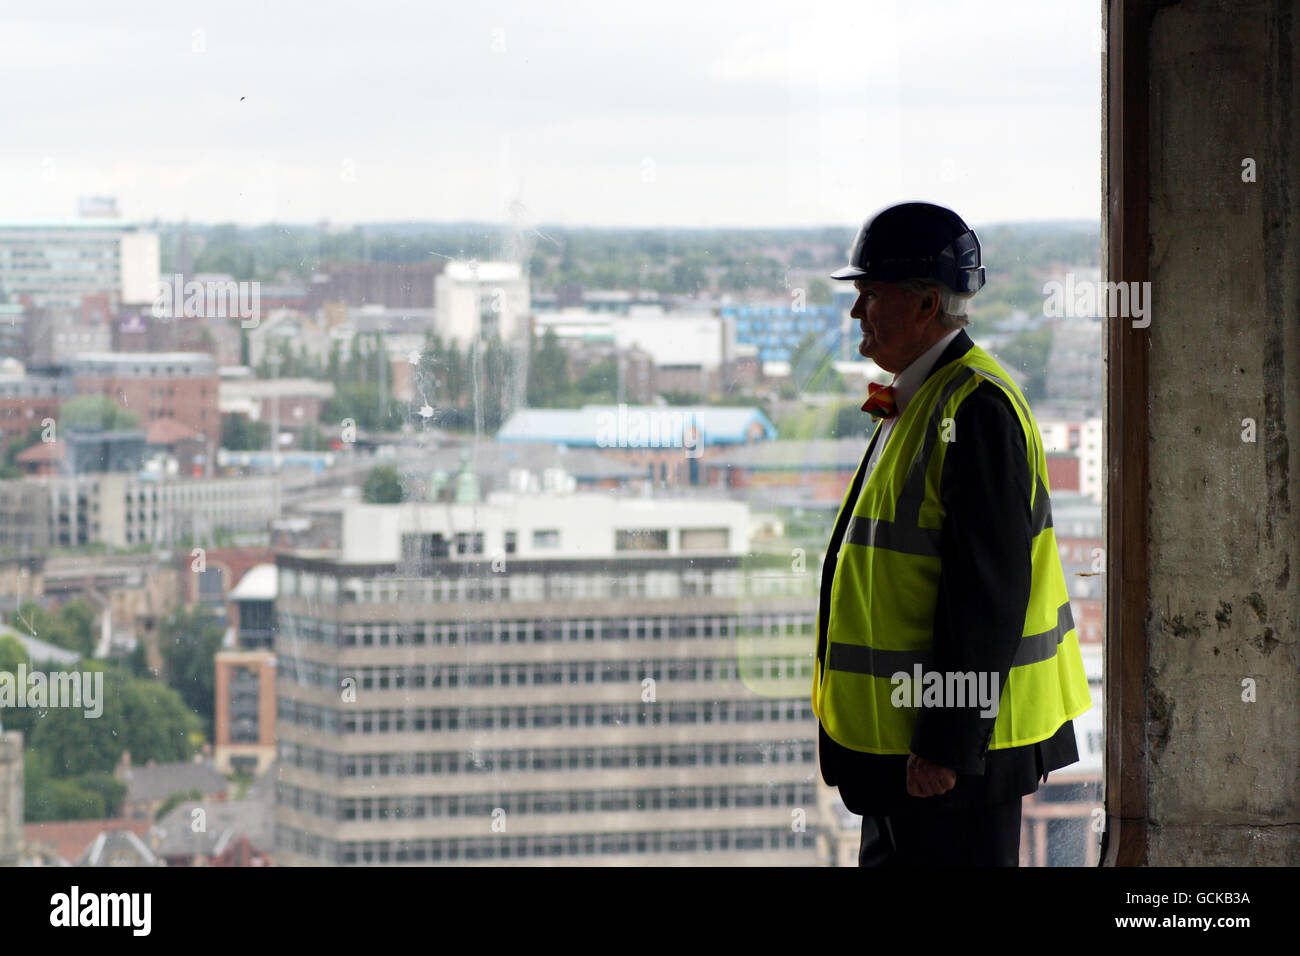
(1042, 647)
(1042, 518)
(905, 535)
(1010, 391)
(892, 536)
(908, 508)
(859, 659)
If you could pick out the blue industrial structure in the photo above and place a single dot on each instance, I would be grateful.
(777, 330)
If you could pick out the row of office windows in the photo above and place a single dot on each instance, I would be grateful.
(544, 674)
(505, 846)
(532, 631)
(50, 268)
(231, 493)
(172, 526)
(548, 759)
(423, 546)
(487, 806)
(541, 717)
(559, 585)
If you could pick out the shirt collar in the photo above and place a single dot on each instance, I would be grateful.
(910, 379)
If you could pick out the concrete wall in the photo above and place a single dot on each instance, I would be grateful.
(1224, 346)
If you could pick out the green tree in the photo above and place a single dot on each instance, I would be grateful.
(156, 723)
(47, 798)
(227, 251)
(802, 258)
(679, 399)
(137, 662)
(12, 653)
(238, 433)
(69, 759)
(548, 373)
(70, 626)
(363, 403)
(111, 790)
(600, 378)
(442, 376)
(189, 639)
(74, 744)
(687, 277)
(96, 411)
(455, 376)
(757, 274)
(17, 442)
(383, 486)
(78, 617)
(311, 439)
(499, 371)
(334, 368)
(538, 268)
(355, 363)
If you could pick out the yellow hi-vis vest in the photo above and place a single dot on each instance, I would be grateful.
(884, 591)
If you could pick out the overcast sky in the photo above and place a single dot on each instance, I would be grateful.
(580, 112)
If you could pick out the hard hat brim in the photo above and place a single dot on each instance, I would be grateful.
(848, 272)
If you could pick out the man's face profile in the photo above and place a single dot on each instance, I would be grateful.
(896, 324)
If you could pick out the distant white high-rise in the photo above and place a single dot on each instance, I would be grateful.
(58, 261)
(474, 300)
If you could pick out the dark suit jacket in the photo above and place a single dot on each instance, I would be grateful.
(983, 591)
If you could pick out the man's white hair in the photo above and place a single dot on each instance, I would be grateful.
(952, 305)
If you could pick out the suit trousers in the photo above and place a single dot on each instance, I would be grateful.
(925, 833)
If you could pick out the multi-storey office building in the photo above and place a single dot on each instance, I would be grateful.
(244, 718)
(27, 399)
(545, 679)
(59, 261)
(180, 386)
(126, 510)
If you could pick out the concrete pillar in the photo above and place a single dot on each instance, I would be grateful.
(1213, 743)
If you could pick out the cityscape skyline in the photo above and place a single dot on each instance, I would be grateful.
(451, 593)
(270, 117)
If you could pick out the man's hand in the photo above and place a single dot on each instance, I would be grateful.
(927, 779)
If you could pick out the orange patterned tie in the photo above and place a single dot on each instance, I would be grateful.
(880, 404)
